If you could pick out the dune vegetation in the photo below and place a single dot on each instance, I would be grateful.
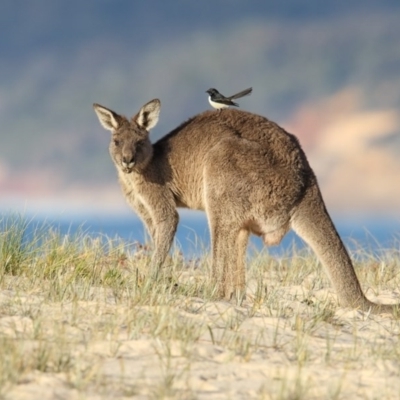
(79, 318)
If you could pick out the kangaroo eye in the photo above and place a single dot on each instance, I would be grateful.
(116, 142)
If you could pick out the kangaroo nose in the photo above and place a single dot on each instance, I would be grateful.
(128, 161)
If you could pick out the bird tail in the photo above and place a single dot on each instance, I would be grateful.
(243, 93)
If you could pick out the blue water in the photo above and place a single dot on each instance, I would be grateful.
(192, 238)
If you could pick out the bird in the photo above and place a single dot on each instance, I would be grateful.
(219, 101)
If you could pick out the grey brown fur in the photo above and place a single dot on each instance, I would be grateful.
(248, 174)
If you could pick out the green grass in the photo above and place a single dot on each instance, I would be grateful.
(81, 318)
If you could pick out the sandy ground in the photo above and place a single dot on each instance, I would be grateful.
(295, 345)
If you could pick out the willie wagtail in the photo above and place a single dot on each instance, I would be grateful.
(219, 101)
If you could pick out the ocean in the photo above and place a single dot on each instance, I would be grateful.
(363, 236)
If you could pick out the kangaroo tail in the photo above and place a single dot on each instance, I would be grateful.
(313, 224)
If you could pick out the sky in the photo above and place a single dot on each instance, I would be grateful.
(329, 72)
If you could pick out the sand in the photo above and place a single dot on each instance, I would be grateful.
(294, 343)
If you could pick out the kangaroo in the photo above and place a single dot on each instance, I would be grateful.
(247, 173)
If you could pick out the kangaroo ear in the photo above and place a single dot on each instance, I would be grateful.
(148, 115)
(109, 119)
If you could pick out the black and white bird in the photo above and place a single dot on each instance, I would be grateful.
(219, 101)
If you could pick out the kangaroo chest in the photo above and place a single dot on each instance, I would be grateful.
(133, 188)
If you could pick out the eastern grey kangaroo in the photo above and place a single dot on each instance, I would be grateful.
(248, 174)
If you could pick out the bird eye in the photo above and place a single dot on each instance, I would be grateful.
(116, 142)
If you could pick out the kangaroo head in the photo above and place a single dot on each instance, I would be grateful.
(130, 147)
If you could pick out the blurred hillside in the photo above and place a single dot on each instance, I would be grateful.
(330, 73)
